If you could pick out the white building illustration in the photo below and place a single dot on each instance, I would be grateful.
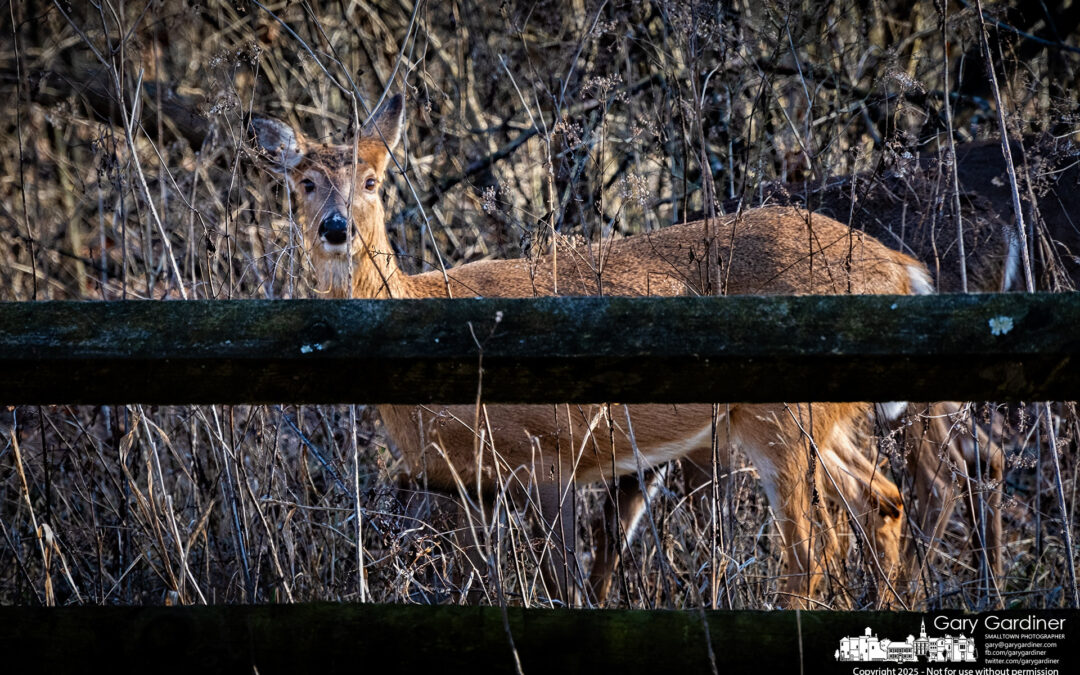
(868, 647)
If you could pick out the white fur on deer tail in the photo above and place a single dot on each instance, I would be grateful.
(890, 411)
(921, 282)
(1012, 262)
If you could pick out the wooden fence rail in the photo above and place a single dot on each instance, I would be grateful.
(631, 350)
(326, 639)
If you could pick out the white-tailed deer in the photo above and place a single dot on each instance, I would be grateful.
(903, 208)
(798, 449)
(910, 207)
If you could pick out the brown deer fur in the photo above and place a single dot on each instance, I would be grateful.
(772, 251)
(909, 207)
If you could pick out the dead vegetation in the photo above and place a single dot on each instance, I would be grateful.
(526, 122)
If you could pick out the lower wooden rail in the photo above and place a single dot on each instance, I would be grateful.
(343, 638)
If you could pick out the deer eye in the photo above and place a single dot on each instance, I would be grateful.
(309, 185)
(370, 184)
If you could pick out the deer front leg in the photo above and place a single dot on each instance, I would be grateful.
(624, 516)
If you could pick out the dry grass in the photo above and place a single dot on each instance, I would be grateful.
(586, 118)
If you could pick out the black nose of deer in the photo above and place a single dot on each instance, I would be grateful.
(334, 229)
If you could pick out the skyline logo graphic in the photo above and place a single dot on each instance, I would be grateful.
(869, 647)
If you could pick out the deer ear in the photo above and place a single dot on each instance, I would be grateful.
(387, 122)
(279, 142)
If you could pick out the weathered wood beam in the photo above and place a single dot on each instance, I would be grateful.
(630, 350)
(343, 638)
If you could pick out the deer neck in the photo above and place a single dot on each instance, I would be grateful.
(376, 272)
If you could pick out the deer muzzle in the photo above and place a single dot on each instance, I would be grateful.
(334, 229)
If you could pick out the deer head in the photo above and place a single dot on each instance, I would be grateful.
(336, 192)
